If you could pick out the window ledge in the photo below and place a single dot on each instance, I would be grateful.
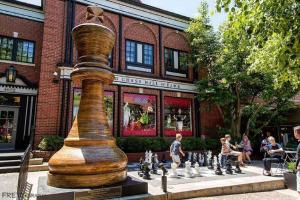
(17, 63)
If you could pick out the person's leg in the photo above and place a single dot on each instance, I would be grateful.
(267, 165)
(298, 184)
(248, 154)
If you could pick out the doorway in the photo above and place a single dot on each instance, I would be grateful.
(8, 127)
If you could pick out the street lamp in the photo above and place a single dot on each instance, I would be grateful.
(11, 74)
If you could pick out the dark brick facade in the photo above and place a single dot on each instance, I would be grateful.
(28, 30)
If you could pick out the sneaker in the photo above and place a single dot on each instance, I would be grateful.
(266, 173)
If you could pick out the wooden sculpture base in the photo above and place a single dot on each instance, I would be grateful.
(85, 181)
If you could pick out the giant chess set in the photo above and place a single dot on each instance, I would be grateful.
(193, 166)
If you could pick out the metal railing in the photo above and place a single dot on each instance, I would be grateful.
(24, 188)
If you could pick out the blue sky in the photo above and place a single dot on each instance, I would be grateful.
(188, 8)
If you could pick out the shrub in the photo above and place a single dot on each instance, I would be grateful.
(51, 143)
(292, 167)
(142, 144)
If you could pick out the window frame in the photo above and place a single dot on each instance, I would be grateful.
(136, 63)
(171, 68)
(15, 49)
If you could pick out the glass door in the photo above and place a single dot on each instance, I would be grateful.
(8, 127)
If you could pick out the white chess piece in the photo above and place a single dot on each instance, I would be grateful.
(197, 169)
(156, 158)
(174, 170)
(146, 156)
(150, 157)
(201, 159)
(188, 169)
(208, 156)
(190, 156)
(215, 161)
(220, 157)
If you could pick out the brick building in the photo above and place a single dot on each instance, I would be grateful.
(153, 93)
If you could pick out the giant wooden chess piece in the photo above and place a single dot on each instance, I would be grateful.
(90, 156)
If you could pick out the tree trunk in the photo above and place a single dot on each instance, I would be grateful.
(238, 115)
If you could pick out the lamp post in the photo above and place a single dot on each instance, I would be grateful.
(11, 74)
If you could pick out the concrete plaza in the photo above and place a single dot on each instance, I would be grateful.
(208, 186)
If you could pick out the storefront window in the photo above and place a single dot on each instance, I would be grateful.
(177, 116)
(139, 115)
(108, 102)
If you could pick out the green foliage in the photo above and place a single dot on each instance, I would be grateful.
(51, 143)
(292, 167)
(250, 99)
(191, 143)
(141, 144)
(273, 32)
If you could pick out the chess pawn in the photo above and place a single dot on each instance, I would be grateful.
(140, 172)
(174, 170)
(150, 157)
(228, 166)
(188, 169)
(197, 169)
(146, 174)
(237, 167)
(146, 156)
(194, 158)
(156, 158)
(215, 161)
(211, 163)
(153, 165)
(205, 159)
(190, 156)
(218, 166)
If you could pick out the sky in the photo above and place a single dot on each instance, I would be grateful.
(183, 7)
(188, 8)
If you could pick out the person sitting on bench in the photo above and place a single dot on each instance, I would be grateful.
(274, 154)
(232, 152)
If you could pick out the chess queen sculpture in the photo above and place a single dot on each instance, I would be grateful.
(90, 156)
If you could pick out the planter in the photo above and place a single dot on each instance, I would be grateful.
(290, 180)
(46, 155)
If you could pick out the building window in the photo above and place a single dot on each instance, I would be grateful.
(139, 115)
(108, 102)
(139, 56)
(16, 50)
(177, 116)
(176, 63)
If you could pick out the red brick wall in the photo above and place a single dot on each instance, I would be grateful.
(176, 40)
(28, 30)
(211, 119)
(143, 32)
(47, 118)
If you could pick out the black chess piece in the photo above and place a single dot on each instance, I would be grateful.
(205, 159)
(163, 159)
(228, 165)
(237, 167)
(218, 170)
(153, 165)
(141, 167)
(211, 164)
(146, 174)
(163, 177)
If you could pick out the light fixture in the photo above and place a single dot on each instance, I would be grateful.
(11, 74)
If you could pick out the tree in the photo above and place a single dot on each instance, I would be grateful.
(228, 82)
(273, 27)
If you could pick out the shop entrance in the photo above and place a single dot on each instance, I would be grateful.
(8, 127)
